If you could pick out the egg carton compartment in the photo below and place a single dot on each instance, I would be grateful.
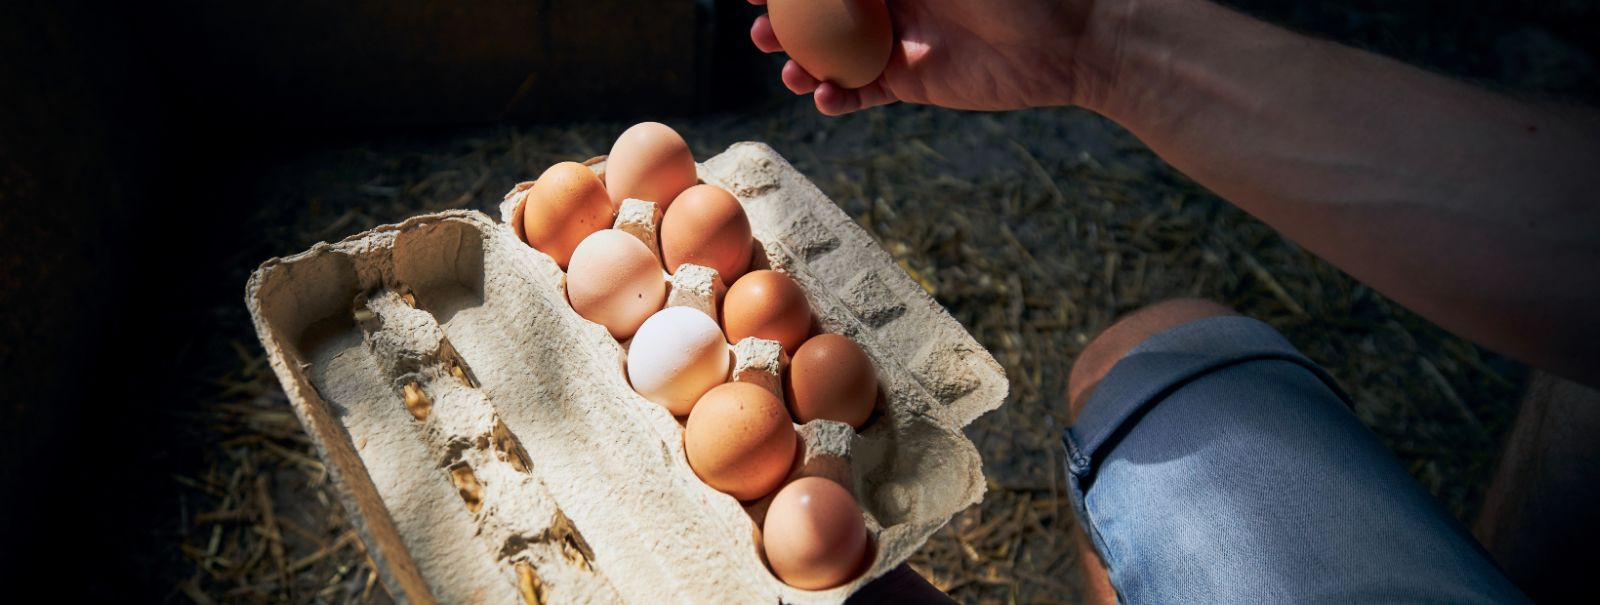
(490, 450)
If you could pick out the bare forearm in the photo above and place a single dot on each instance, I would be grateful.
(1476, 210)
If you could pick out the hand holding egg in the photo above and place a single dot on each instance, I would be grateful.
(948, 53)
(846, 42)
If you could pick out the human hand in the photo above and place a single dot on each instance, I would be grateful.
(963, 54)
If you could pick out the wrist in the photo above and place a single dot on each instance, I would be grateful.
(1098, 57)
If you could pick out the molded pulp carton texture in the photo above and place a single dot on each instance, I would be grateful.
(488, 445)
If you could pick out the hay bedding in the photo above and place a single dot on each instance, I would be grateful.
(1036, 229)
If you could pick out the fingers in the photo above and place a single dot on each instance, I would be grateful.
(832, 100)
(875, 94)
(761, 34)
(797, 80)
(759, 2)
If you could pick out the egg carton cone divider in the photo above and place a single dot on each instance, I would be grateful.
(488, 446)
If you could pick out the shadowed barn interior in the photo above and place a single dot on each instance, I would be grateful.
(151, 155)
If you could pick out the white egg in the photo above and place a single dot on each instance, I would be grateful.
(676, 356)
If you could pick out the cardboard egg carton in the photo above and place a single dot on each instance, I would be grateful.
(490, 450)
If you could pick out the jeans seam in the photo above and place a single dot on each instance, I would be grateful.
(1077, 462)
(1098, 544)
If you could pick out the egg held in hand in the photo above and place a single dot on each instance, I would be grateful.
(649, 162)
(706, 226)
(615, 281)
(846, 42)
(831, 378)
(739, 440)
(563, 207)
(813, 535)
(676, 356)
(767, 304)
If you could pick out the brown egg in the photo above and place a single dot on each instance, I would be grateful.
(767, 304)
(831, 378)
(615, 281)
(707, 226)
(813, 535)
(564, 206)
(846, 42)
(739, 440)
(649, 162)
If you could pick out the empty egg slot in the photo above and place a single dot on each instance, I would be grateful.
(318, 303)
(894, 484)
(499, 439)
(549, 367)
(314, 321)
(514, 515)
(441, 266)
(324, 341)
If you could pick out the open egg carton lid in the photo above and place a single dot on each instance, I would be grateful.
(490, 450)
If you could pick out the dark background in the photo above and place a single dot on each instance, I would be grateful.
(128, 129)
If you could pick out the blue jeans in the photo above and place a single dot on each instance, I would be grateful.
(1216, 464)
